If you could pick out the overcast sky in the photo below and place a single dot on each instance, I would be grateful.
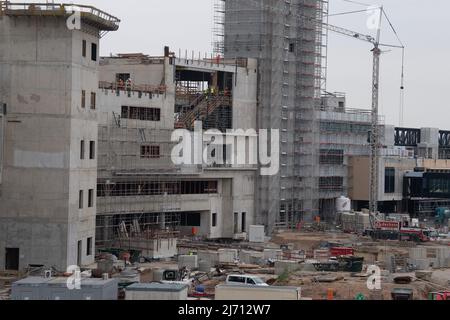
(148, 25)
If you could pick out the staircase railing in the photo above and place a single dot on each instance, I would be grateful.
(201, 110)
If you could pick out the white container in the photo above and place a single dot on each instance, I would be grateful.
(256, 233)
(236, 293)
(156, 291)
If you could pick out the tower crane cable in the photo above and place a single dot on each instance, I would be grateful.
(348, 12)
(402, 78)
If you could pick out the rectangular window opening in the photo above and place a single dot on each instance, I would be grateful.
(91, 198)
(82, 150)
(80, 200)
(83, 99)
(83, 48)
(92, 150)
(89, 246)
(244, 222)
(214, 219)
(93, 100)
(94, 52)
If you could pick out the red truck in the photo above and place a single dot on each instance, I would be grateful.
(393, 230)
(341, 251)
(440, 296)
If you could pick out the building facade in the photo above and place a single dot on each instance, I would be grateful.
(48, 87)
(288, 40)
(141, 189)
(413, 175)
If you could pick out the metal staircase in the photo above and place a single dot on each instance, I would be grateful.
(203, 106)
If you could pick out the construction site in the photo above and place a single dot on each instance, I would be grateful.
(138, 175)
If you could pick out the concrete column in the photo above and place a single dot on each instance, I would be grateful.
(162, 220)
(429, 143)
(388, 136)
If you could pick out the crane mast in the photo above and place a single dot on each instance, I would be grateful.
(374, 133)
(374, 137)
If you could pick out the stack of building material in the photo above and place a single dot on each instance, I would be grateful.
(362, 221)
(355, 221)
(348, 222)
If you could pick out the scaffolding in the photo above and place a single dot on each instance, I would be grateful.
(130, 178)
(343, 133)
(291, 53)
(218, 28)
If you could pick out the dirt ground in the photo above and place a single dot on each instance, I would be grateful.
(349, 287)
(307, 241)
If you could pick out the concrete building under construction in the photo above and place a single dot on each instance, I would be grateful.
(87, 143)
(290, 48)
(141, 191)
(47, 195)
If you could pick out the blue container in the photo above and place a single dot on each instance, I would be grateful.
(200, 289)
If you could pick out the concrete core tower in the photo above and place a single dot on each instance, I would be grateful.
(48, 173)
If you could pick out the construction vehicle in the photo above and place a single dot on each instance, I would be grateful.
(442, 216)
(396, 230)
(439, 296)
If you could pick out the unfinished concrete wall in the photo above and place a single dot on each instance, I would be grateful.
(245, 96)
(121, 139)
(42, 73)
(142, 71)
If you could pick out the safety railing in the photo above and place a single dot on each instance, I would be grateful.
(132, 87)
(54, 8)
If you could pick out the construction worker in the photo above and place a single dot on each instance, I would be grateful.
(128, 84)
(121, 84)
